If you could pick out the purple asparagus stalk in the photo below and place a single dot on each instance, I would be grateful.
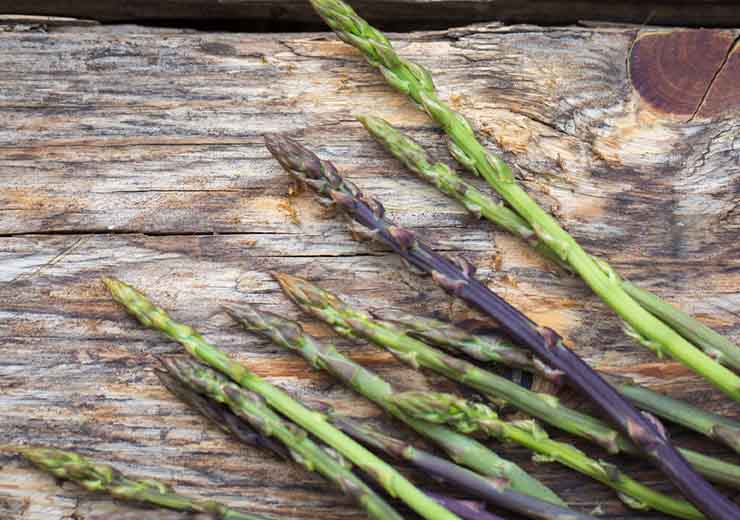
(456, 276)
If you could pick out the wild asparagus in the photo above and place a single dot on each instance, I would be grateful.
(472, 417)
(491, 490)
(460, 448)
(220, 415)
(251, 408)
(466, 509)
(354, 323)
(415, 81)
(456, 276)
(149, 515)
(713, 343)
(393, 482)
(414, 157)
(101, 477)
(499, 350)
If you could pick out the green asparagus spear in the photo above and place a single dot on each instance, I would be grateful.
(471, 417)
(473, 484)
(460, 448)
(354, 323)
(101, 477)
(416, 82)
(393, 482)
(498, 350)
(251, 408)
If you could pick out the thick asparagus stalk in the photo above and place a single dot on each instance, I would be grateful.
(391, 480)
(251, 408)
(466, 509)
(101, 477)
(710, 341)
(471, 417)
(490, 490)
(457, 277)
(354, 323)
(498, 350)
(415, 81)
(220, 415)
(449, 182)
(460, 448)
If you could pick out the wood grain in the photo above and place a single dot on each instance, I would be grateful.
(137, 152)
(396, 13)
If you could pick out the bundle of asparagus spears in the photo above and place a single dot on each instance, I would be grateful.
(351, 455)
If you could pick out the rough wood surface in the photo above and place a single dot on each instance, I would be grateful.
(137, 153)
(396, 13)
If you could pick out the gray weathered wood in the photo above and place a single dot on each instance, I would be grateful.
(137, 153)
(439, 13)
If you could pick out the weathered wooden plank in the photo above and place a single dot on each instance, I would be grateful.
(414, 13)
(137, 152)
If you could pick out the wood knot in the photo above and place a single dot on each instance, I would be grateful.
(687, 72)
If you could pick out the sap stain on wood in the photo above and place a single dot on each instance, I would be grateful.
(137, 152)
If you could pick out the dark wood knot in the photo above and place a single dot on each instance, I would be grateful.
(687, 72)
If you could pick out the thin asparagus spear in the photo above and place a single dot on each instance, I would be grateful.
(460, 448)
(101, 477)
(498, 350)
(354, 323)
(251, 408)
(710, 341)
(149, 515)
(415, 81)
(393, 482)
(714, 426)
(457, 277)
(471, 417)
(465, 509)
(487, 489)
(414, 157)
(221, 416)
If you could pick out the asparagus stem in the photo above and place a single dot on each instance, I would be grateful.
(251, 408)
(415, 81)
(490, 490)
(220, 415)
(101, 477)
(714, 426)
(714, 344)
(414, 157)
(465, 509)
(149, 515)
(471, 417)
(460, 448)
(453, 338)
(393, 482)
(354, 323)
(457, 277)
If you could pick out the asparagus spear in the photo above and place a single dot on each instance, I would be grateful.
(490, 490)
(453, 338)
(457, 277)
(251, 408)
(414, 157)
(353, 323)
(465, 509)
(415, 81)
(220, 415)
(460, 448)
(393, 482)
(472, 417)
(149, 515)
(101, 477)
(714, 344)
